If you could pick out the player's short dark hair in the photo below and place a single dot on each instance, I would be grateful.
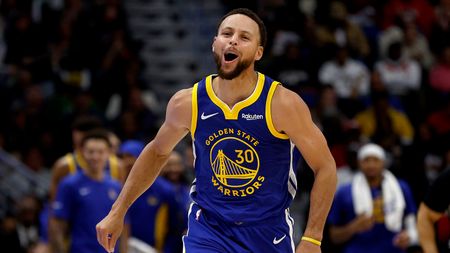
(249, 13)
(97, 134)
(86, 123)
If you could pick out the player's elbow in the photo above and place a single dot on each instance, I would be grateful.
(327, 168)
(156, 150)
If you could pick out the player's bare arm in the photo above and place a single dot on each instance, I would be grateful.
(59, 170)
(291, 116)
(148, 166)
(425, 225)
(58, 229)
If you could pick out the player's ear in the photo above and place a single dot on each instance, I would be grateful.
(212, 46)
(259, 53)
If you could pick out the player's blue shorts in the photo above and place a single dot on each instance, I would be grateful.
(207, 234)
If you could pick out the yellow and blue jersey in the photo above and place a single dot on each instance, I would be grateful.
(245, 168)
(379, 237)
(83, 202)
(76, 162)
(154, 215)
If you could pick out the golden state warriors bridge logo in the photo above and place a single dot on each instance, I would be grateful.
(235, 164)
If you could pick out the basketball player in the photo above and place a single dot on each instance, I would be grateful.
(154, 215)
(245, 128)
(69, 163)
(83, 198)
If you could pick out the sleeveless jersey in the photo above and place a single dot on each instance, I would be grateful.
(76, 163)
(245, 168)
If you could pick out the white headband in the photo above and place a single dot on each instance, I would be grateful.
(371, 150)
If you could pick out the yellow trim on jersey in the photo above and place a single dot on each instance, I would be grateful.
(194, 110)
(269, 121)
(79, 159)
(161, 221)
(71, 163)
(234, 112)
(114, 167)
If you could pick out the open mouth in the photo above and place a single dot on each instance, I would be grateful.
(230, 56)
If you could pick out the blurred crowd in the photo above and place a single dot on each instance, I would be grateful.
(370, 71)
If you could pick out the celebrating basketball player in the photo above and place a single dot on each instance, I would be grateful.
(245, 129)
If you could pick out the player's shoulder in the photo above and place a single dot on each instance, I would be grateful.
(181, 97)
(71, 180)
(286, 102)
(63, 162)
(285, 97)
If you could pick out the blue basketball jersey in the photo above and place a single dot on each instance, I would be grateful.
(83, 202)
(245, 169)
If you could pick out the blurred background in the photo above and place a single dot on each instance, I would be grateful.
(370, 70)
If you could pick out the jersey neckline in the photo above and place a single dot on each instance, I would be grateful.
(233, 113)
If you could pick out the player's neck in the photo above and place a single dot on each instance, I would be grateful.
(237, 89)
(94, 174)
(374, 182)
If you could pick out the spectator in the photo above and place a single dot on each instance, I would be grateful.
(20, 234)
(432, 212)
(399, 75)
(383, 124)
(440, 73)
(420, 10)
(415, 44)
(376, 211)
(440, 35)
(83, 198)
(438, 127)
(338, 30)
(292, 68)
(137, 119)
(349, 78)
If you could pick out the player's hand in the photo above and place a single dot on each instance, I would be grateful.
(307, 247)
(401, 240)
(109, 230)
(362, 223)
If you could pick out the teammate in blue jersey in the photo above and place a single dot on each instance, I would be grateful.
(82, 199)
(74, 161)
(154, 215)
(376, 211)
(245, 128)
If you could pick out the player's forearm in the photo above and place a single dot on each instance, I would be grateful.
(322, 195)
(124, 239)
(57, 230)
(425, 227)
(142, 175)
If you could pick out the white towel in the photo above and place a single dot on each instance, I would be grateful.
(393, 199)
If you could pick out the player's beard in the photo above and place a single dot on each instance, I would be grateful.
(241, 66)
